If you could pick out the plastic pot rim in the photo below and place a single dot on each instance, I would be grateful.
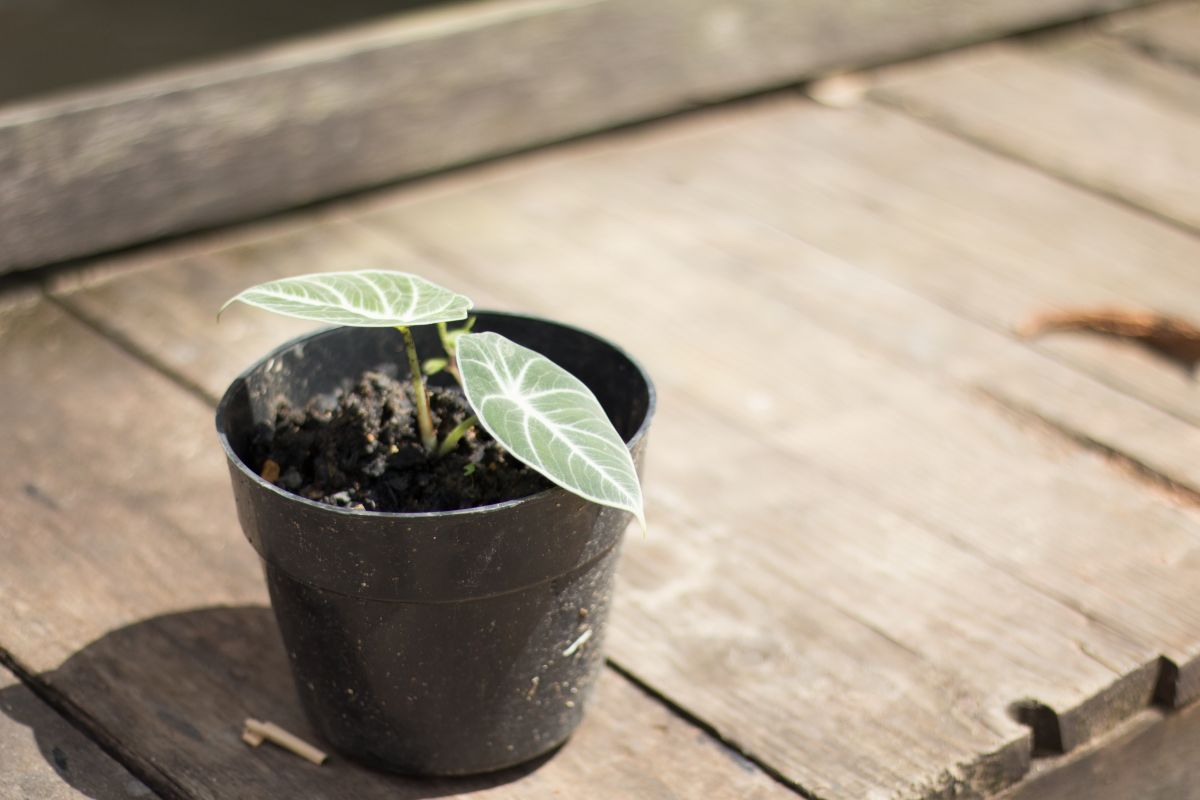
(234, 458)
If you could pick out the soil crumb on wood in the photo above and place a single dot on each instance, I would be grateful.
(359, 448)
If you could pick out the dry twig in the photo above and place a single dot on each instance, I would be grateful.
(257, 731)
(1173, 337)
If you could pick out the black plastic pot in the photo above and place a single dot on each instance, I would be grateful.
(444, 643)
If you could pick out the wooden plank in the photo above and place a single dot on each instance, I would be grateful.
(116, 515)
(1152, 757)
(943, 246)
(796, 711)
(212, 666)
(914, 601)
(1166, 31)
(43, 757)
(1064, 118)
(917, 332)
(865, 402)
(131, 596)
(1116, 61)
(217, 142)
(150, 37)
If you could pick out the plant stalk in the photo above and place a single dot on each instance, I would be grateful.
(420, 393)
(453, 437)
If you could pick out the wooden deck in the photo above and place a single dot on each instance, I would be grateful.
(895, 550)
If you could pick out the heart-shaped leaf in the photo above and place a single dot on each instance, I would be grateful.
(369, 299)
(549, 419)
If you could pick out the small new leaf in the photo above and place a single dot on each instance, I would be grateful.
(368, 298)
(432, 366)
(548, 419)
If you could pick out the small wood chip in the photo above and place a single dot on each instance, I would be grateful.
(1173, 337)
(256, 731)
(270, 471)
(839, 91)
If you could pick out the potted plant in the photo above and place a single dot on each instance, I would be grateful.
(438, 536)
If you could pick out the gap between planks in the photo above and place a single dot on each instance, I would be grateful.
(144, 770)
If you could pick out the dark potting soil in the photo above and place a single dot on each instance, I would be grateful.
(359, 448)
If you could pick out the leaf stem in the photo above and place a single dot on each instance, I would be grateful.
(450, 345)
(421, 395)
(453, 437)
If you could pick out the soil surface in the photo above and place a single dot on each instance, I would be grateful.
(359, 448)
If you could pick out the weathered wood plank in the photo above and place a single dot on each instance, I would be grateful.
(864, 402)
(1118, 62)
(579, 235)
(406, 95)
(913, 600)
(920, 334)
(114, 496)
(150, 37)
(214, 666)
(132, 597)
(1152, 757)
(888, 226)
(43, 758)
(1065, 118)
(1167, 31)
(803, 709)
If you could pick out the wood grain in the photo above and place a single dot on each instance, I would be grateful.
(1122, 62)
(1166, 31)
(822, 294)
(44, 758)
(919, 333)
(218, 142)
(1066, 119)
(1152, 757)
(131, 596)
(211, 667)
(896, 234)
(119, 478)
(865, 402)
(702, 651)
(914, 597)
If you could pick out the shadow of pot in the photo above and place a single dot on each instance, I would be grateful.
(446, 643)
(168, 695)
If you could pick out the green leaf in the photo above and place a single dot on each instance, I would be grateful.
(432, 366)
(549, 419)
(369, 299)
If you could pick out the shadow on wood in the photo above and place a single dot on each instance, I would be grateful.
(179, 686)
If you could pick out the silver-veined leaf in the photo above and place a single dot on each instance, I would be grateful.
(548, 419)
(368, 299)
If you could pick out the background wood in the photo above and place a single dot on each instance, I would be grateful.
(43, 758)
(120, 39)
(271, 128)
(595, 222)
(895, 234)
(1166, 32)
(732, 636)
(1092, 130)
(941, 521)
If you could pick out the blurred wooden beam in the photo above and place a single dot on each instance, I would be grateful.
(268, 129)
